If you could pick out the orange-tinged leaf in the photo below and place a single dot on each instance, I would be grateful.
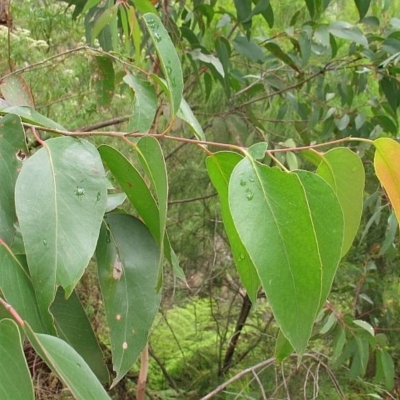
(387, 169)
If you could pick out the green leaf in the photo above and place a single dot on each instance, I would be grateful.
(347, 31)
(145, 6)
(140, 196)
(144, 106)
(73, 326)
(390, 89)
(387, 167)
(153, 163)
(169, 60)
(260, 7)
(12, 131)
(60, 215)
(127, 258)
(220, 166)
(343, 170)
(243, 10)
(249, 48)
(31, 117)
(15, 381)
(362, 7)
(103, 77)
(385, 370)
(364, 325)
(106, 17)
(280, 54)
(16, 92)
(16, 286)
(292, 227)
(186, 114)
(9, 166)
(68, 365)
(283, 348)
(115, 200)
(257, 151)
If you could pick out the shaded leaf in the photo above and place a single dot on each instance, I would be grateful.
(103, 77)
(60, 216)
(362, 7)
(16, 286)
(283, 348)
(13, 132)
(347, 31)
(387, 167)
(385, 370)
(186, 114)
(68, 365)
(104, 19)
(249, 49)
(257, 151)
(9, 166)
(292, 227)
(169, 60)
(16, 91)
(115, 200)
(127, 258)
(133, 184)
(73, 326)
(280, 54)
(343, 170)
(15, 379)
(144, 106)
(220, 167)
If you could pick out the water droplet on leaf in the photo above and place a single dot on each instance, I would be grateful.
(45, 242)
(157, 37)
(242, 182)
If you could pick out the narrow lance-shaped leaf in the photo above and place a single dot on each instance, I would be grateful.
(60, 215)
(31, 116)
(68, 365)
(103, 77)
(292, 227)
(133, 184)
(15, 379)
(343, 170)
(127, 258)
(153, 163)
(144, 106)
(185, 113)
(220, 167)
(169, 60)
(73, 326)
(387, 168)
(9, 165)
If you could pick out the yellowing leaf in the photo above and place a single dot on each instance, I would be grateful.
(387, 169)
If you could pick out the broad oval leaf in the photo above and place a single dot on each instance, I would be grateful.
(292, 227)
(12, 131)
(343, 170)
(61, 213)
(68, 365)
(15, 379)
(220, 167)
(387, 169)
(127, 258)
(16, 91)
(169, 60)
(348, 31)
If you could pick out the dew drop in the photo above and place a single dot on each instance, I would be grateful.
(251, 179)
(241, 257)
(45, 242)
(79, 191)
(157, 37)
(169, 70)
(242, 182)
(249, 196)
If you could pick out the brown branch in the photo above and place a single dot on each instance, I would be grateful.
(241, 321)
(181, 201)
(144, 368)
(104, 124)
